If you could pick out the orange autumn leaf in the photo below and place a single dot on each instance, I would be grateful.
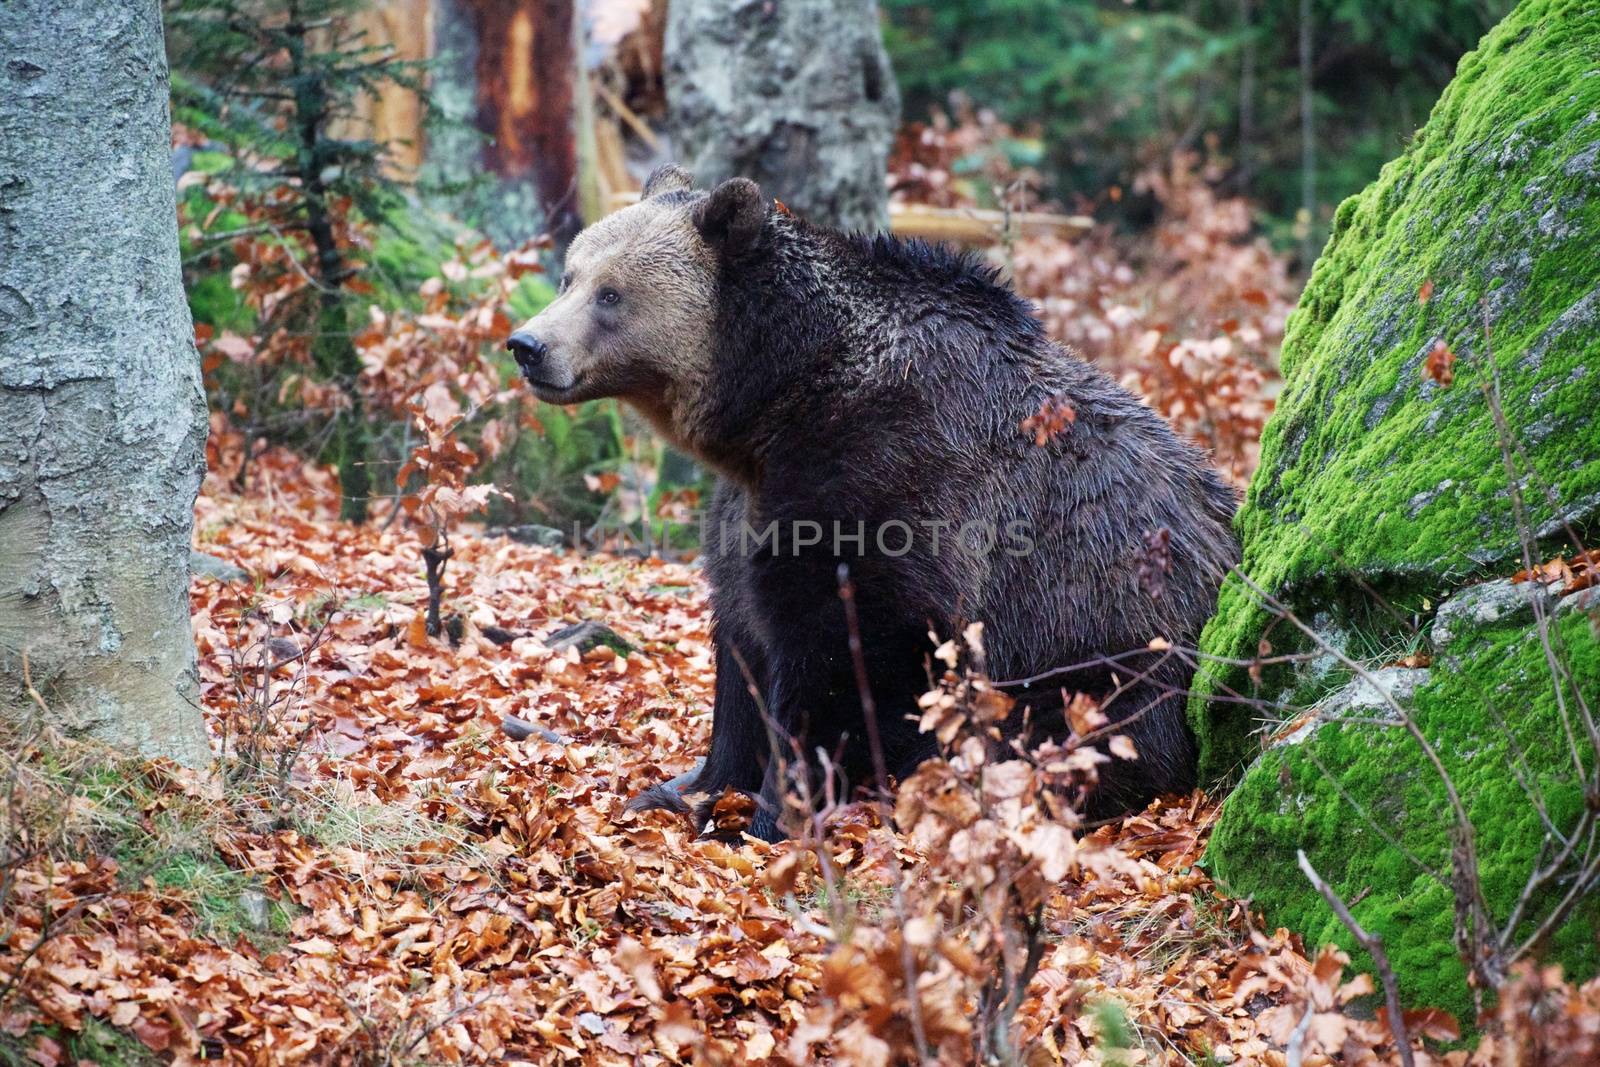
(1440, 363)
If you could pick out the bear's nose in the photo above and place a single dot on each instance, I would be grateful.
(527, 349)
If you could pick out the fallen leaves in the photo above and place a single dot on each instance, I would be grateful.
(1440, 364)
(459, 896)
(1054, 416)
(1565, 575)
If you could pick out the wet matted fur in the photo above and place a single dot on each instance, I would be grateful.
(841, 380)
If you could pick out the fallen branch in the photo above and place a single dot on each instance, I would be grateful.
(521, 729)
(973, 226)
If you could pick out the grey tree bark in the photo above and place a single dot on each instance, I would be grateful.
(102, 414)
(797, 95)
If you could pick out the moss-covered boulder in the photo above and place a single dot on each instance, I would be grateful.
(1370, 469)
(1384, 491)
(1351, 788)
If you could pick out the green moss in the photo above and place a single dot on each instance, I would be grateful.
(1491, 696)
(96, 1043)
(161, 840)
(1369, 470)
(532, 294)
(217, 893)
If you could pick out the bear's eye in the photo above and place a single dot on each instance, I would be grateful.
(564, 284)
(608, 296)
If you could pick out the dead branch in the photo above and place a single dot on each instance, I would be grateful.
(869, 709)
(1380, 959)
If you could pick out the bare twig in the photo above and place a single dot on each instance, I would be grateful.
(1380, 959)
(1295, 1050)
(869, 709)
(27, 685)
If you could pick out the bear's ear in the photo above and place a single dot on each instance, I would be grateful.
(731, 216)
(667, 178)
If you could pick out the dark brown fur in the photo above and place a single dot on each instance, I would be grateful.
(868, 380)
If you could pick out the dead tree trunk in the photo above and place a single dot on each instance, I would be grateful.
(795, 94)
(102, 416)
(505, 70)
(525, 101)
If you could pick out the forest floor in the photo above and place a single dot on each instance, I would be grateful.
(378, 874)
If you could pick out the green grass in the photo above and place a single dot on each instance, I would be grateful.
(85, 800)
(217, 895)
(96, 1043)
(395, 835)
(855, 901)
(161, 841)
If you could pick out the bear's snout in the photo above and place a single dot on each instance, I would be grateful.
(528, 351)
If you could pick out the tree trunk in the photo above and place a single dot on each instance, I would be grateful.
(525, 101)
(1308, 142)
(1247, 92)
(504, 71)
(102, 416)
(795, 94)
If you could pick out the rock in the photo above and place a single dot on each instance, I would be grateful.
(204, 566)
(586, 636)
(1487, 602)
(1587, 600)
(532, 533)
(1383, 507)
(1358, 796)
(1374, 699)
(284, 651)
(256, 908)
(1371, 471)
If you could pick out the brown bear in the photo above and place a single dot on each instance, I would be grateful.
(861, 399)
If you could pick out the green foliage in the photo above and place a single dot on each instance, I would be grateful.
(1369, 469)
(275, 84)
(1113, 85)
(547, 469)
(1106, 80)
(1111, 1027)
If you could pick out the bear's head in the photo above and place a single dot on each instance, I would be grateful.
(637, 307)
